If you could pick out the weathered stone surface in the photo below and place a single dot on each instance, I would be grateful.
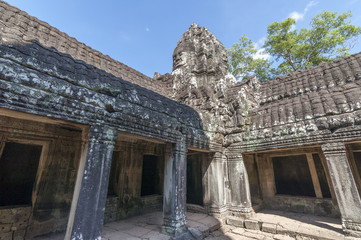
(54, 186)
(252, 224)
(63, 86)
(235, 221)
(200, 65)
(269, 227)
(344, 184)
(53, 77)
(174, 205)
(96, 170)
(319, 105)
(317, 206)
(282, 237)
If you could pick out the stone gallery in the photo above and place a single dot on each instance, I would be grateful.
(85, 139)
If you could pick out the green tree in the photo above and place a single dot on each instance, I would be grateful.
(329, 37)
(243, 61)
(298, 49)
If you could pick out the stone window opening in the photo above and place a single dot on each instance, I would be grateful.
(295, 180)
(194, 178)
(301, 175)
(150, 176)
(114, 175)
(293, 176)
(19, 163)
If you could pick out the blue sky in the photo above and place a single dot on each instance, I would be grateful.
(143, 34)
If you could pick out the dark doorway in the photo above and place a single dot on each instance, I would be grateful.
(150, 176)
(194, 179)
(292, 176)
(18, 167)
(114, 175)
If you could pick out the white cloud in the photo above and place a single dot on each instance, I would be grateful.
(296, 16)
(261, 52)
(260, 42)
(299, 15)
(309, 5)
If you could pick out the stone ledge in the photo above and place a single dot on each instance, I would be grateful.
(253, 224)
(235, 221)
(269, 227)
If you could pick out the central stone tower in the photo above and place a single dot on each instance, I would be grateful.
(200, 66)
(200, 79)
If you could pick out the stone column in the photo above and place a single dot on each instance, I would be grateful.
(240, 202)
(215, 192)
(175, 180)
(87, 212)
(344, 185)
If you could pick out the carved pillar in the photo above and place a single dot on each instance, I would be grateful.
(175, 180)
(240, 203)
(344, 185)
(87, 212)
(215, 193)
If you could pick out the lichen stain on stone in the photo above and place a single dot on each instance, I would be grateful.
(77, 236)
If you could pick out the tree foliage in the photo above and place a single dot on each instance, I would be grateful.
(329, 37)
(243, 61)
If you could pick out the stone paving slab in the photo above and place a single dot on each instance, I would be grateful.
(300, 224)
(148, 227)
(278, 226)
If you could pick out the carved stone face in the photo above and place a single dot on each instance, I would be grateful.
(179, 59)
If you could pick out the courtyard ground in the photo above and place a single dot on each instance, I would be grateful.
(275, 225)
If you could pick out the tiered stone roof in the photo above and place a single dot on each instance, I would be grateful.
(321, 97)
(46, 72)
(17, 26)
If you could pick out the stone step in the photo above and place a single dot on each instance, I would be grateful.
(292, 229)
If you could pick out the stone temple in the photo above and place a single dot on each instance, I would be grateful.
(85, 139)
